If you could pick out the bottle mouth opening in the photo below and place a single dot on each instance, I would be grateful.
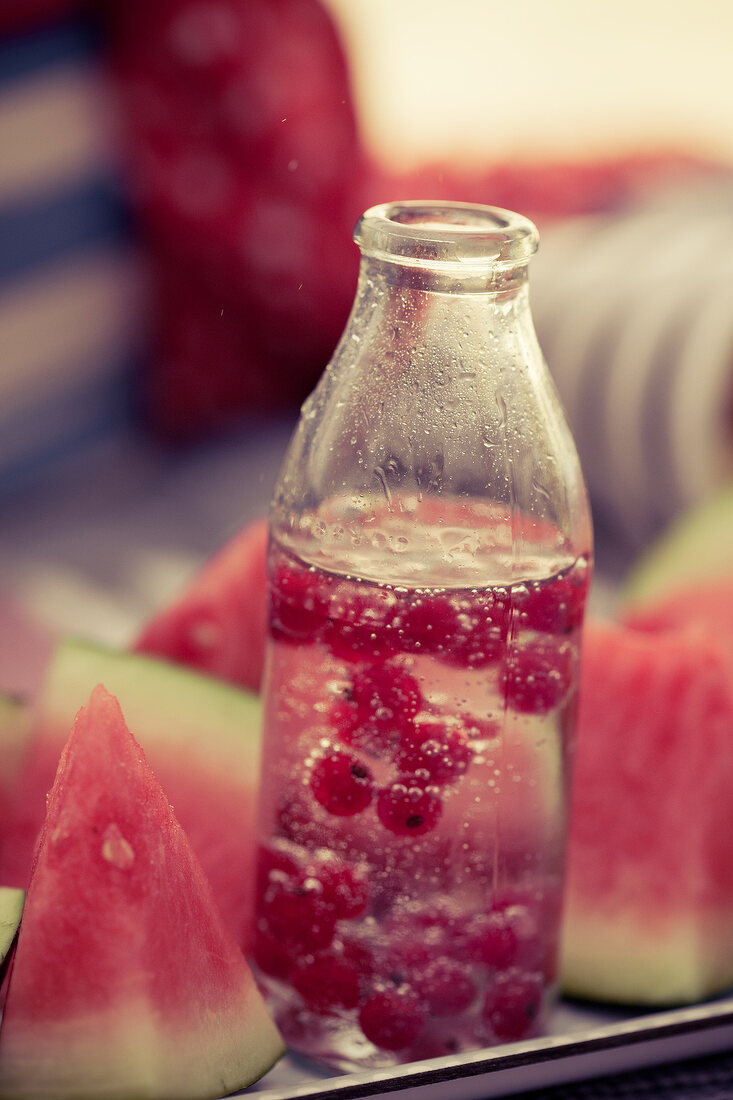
(455, 234)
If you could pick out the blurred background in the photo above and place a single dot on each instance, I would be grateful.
(179, 181)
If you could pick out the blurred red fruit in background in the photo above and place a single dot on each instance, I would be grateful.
(247, 172)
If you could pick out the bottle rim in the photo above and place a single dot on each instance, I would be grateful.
(455, 234)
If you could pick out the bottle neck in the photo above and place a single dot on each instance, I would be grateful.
(496, 282)
(410, 314)
(438, 388)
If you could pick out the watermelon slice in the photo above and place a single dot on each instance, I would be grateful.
(126, 982)
(218, 622)
(649, 906)
(201, 737)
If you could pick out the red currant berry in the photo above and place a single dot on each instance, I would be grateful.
(445, 986)
(292, 910)
(440, 751)
(483, 625)
(326, 982)
(534, 914)
(401, 960)
(434, 926)
(272, 862)
(294, 815)
(343, 718)
(359, 952)
(538, 676)
(407, 809)
(392, 1019)
(386, 695)
(341, 783)
(512, 1004)
(386, 699)
(299, 604)
(344, 889)
(361, 626)
(491, 939)
(426, 623)
(556, 605)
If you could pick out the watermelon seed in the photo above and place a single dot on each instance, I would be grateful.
(115, 849)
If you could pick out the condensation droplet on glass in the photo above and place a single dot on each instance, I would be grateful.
(382, 478)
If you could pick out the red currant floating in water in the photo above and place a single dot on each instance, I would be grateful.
(344, 889)
(292, 910)
(407, 809)
(386, 695)
(538, 675)
(359, 952)
(512, 1004)
(426, 623)
(556, 606)
(299, 604)
(386, 699)
(326, 982)
(445, 986)
(399, 961)
(341, 783)
(432, 927)
(295, 822)
(343, 717)
(491, 939)
(437, 749)
(361, 626)
(483, 625)
(392, 1019)
(274, 863)
(467, 630)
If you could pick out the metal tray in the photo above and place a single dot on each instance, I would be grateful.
(583, 1042)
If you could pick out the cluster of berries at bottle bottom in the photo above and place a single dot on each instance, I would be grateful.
(428, 973)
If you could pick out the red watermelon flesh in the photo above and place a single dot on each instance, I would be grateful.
(126, 981)
(649, 904)
(218, 623)
(706, 604)
(201, 737)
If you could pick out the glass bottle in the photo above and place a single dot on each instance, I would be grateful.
(429, 560)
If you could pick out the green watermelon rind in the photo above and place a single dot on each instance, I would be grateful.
(164, 700)
(614, 958)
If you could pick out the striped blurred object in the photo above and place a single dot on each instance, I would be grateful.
(634, 312)
(70, 282)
